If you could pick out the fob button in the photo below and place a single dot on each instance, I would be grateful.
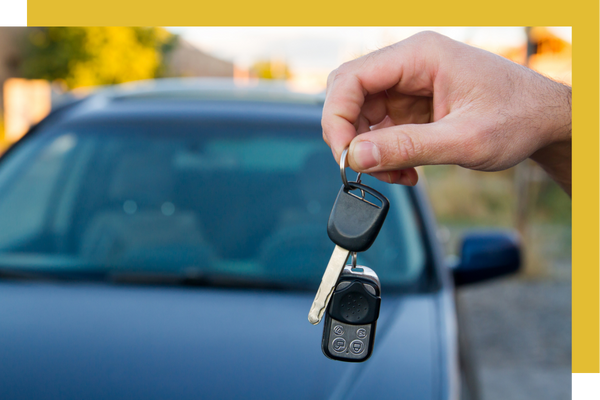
(357, 346)
(338, 330)
(339, 345)
(361, 333)
(354, 307)
(370, 289)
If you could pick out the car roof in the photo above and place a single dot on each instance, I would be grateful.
(195, 98)
(211, 89)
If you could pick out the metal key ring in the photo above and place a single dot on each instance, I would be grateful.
(343, 166)
(354, 259)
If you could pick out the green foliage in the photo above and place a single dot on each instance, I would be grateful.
(89, 56)
(552, 204)
(470, 197)
(465, 197)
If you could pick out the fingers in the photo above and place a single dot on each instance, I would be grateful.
(407, 177)
(374, 109)
(397, 107)
(399, 147)
(341, 112)
(409, 67)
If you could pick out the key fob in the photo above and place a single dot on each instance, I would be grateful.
(351, 318)
(354, 223)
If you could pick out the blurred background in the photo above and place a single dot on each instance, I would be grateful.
(519, 327)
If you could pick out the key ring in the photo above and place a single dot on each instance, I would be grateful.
(343, 159)
(343, 166)
(354, 259)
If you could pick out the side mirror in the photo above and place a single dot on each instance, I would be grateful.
(487, 255)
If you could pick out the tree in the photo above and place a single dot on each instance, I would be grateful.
(270, 70)
(89, 56)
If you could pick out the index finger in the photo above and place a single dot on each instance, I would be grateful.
(341, 112)
(408, 67)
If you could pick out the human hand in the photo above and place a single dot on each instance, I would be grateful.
(431, 100)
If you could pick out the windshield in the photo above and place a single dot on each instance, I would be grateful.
(220, 204)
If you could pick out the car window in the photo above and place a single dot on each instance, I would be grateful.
(224, 204)
(23, 205)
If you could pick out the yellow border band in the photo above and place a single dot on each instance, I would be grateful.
(305, 13)
(586, 278)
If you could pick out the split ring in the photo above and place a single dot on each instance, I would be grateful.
(343, 160)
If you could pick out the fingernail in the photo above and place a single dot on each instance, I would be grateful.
(366, 155)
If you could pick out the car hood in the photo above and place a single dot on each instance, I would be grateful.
(73, 340)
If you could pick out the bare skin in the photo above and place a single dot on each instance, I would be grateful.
(431, 100)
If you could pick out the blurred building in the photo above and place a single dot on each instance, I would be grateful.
(187, 60)
(11, 43)
(26, 102)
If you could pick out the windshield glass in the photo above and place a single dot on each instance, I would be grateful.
(220, 204)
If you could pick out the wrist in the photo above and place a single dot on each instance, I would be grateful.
(555, 159)
(562, 126)
(555, 155)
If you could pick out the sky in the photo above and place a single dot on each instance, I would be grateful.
(313, 52)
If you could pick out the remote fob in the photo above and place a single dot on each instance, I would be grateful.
(351, 318)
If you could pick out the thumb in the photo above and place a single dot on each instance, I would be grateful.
(404, 146)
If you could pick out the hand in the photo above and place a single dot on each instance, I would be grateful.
(431, 100)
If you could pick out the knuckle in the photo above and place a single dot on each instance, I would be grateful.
(407, 148)
(344, 67)
(325, 124)
(430, 40)
(331, 76)
(479, 152)
(325, 138)
(428, 36)
(347, 70)
(423, 35)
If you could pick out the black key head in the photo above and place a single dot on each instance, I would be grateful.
(354, 222)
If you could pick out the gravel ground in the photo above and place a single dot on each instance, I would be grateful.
(520, 332)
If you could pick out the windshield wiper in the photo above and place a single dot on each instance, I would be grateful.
(8, 272)
(193, 280)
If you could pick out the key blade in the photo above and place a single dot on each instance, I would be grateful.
(330, 277)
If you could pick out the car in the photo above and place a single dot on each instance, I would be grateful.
(165, 240)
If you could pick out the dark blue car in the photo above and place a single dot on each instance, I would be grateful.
(165, 241)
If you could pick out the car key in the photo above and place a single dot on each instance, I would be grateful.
(353, 225)
(351, 318)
